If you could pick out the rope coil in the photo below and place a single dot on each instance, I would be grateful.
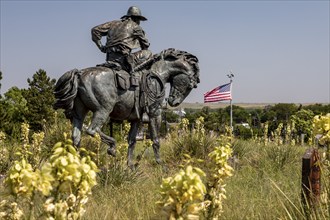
(152, 95)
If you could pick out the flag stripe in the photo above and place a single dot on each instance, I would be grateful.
(220, 93)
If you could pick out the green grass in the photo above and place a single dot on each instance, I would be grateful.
(134, 198)
(266, 184)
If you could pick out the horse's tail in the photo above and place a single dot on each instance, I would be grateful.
(65, 92)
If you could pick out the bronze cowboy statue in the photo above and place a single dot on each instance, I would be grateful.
(122, 37)
(128, 85)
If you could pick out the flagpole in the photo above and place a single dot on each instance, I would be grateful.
(231, 115)
(231, 76)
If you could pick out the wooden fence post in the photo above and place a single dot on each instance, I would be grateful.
(311, 177)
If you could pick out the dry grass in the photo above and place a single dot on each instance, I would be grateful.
(266, 185)
(259, 189)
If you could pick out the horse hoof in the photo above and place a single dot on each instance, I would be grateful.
(111, 151)
(165, 169)
(132, 167)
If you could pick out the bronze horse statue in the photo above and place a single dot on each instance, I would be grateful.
(96, 89)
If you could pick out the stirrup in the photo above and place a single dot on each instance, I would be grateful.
(145, 118)
(134, 81)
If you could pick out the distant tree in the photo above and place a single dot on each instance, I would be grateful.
(283, 111)
(240, 114)
(268, 115)
(205, 111)
(223, 117)
(192, 116)
(243, 132)
(0, 82)
(303, 120)
(279, 113)
(318, 109)
(211, 118)
(211, 121)
(256, 117)
(13, 108)
(40, 100)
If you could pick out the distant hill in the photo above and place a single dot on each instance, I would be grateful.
(221, 105)
(224, 105)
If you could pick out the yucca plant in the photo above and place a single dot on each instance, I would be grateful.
(63, 184)
(196, 143)
(183, 194)
(54, 132)
(321, 126)
(4, 154)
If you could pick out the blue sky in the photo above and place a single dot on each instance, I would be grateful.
(278, 50)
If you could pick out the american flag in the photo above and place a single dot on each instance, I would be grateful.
(221, 93)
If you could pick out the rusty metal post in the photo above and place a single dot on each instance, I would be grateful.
(311, 177)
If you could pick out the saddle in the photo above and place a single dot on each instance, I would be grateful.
(122, 77)
(139, 81)
(122, 80)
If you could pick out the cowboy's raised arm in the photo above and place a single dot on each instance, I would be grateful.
(98, 32)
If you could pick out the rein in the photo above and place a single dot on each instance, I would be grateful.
(146, 63)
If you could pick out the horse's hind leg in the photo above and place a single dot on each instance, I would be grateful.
(131, 142)
(77, 122)
(99, 118)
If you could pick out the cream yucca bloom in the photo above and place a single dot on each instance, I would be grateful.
(321, 126)
(65, 181)
(219, 170)
(183, 194)
(184, 124)
(21, 179)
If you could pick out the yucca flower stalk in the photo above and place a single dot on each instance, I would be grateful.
(184, 123)
(199, 130)
(3, 150)
(37, 141)
(183, 194)
(321, 126)
(64, 182)
(25, 129)
(10, 210)
(265, 137)
(293, 133)
(278, 134)
(219, 170)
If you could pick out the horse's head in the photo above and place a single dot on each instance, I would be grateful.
(183, 73)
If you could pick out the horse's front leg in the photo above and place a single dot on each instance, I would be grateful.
(98, 119)
(154, 127)
(131, 139)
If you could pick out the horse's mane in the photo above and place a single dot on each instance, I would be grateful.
(175, 54)
(188, 57)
